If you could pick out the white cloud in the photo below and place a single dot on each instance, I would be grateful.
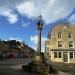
(6, 9)
(14, 38)
(10, 3)
(27, 8)
(51, 10)
(25, 24)
(11, 17)
(72, 19)
(34, 39)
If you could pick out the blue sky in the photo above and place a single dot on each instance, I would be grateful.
(18, 18)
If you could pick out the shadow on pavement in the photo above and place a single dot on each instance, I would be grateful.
(65, 67)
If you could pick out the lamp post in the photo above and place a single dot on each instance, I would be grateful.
(39, 27)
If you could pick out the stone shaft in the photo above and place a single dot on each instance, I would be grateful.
(39, 41)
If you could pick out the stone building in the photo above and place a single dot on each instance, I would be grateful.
(60, 45)
(4, 46)
(16, 48)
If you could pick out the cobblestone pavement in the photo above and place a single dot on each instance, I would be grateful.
(14, 72)
(65, 68)
(11, 69)
(5, 71)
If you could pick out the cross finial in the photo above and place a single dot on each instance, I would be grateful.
(40, 17)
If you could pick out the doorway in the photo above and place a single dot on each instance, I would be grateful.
(65, 57)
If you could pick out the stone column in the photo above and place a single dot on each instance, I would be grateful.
(39, 41)
(40, 25)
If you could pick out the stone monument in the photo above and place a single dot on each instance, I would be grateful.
(38, 63)
(37, 55)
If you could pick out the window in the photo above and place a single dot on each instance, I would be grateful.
(70, 44)
(74, 55)
(59, 44)
(55, 54)
(71, 55)
(59, 35)
(69, 35)
(65, 27)
(46, 48)
(47, 53)
(59, 54)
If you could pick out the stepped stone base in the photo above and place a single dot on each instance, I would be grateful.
(38, 65)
